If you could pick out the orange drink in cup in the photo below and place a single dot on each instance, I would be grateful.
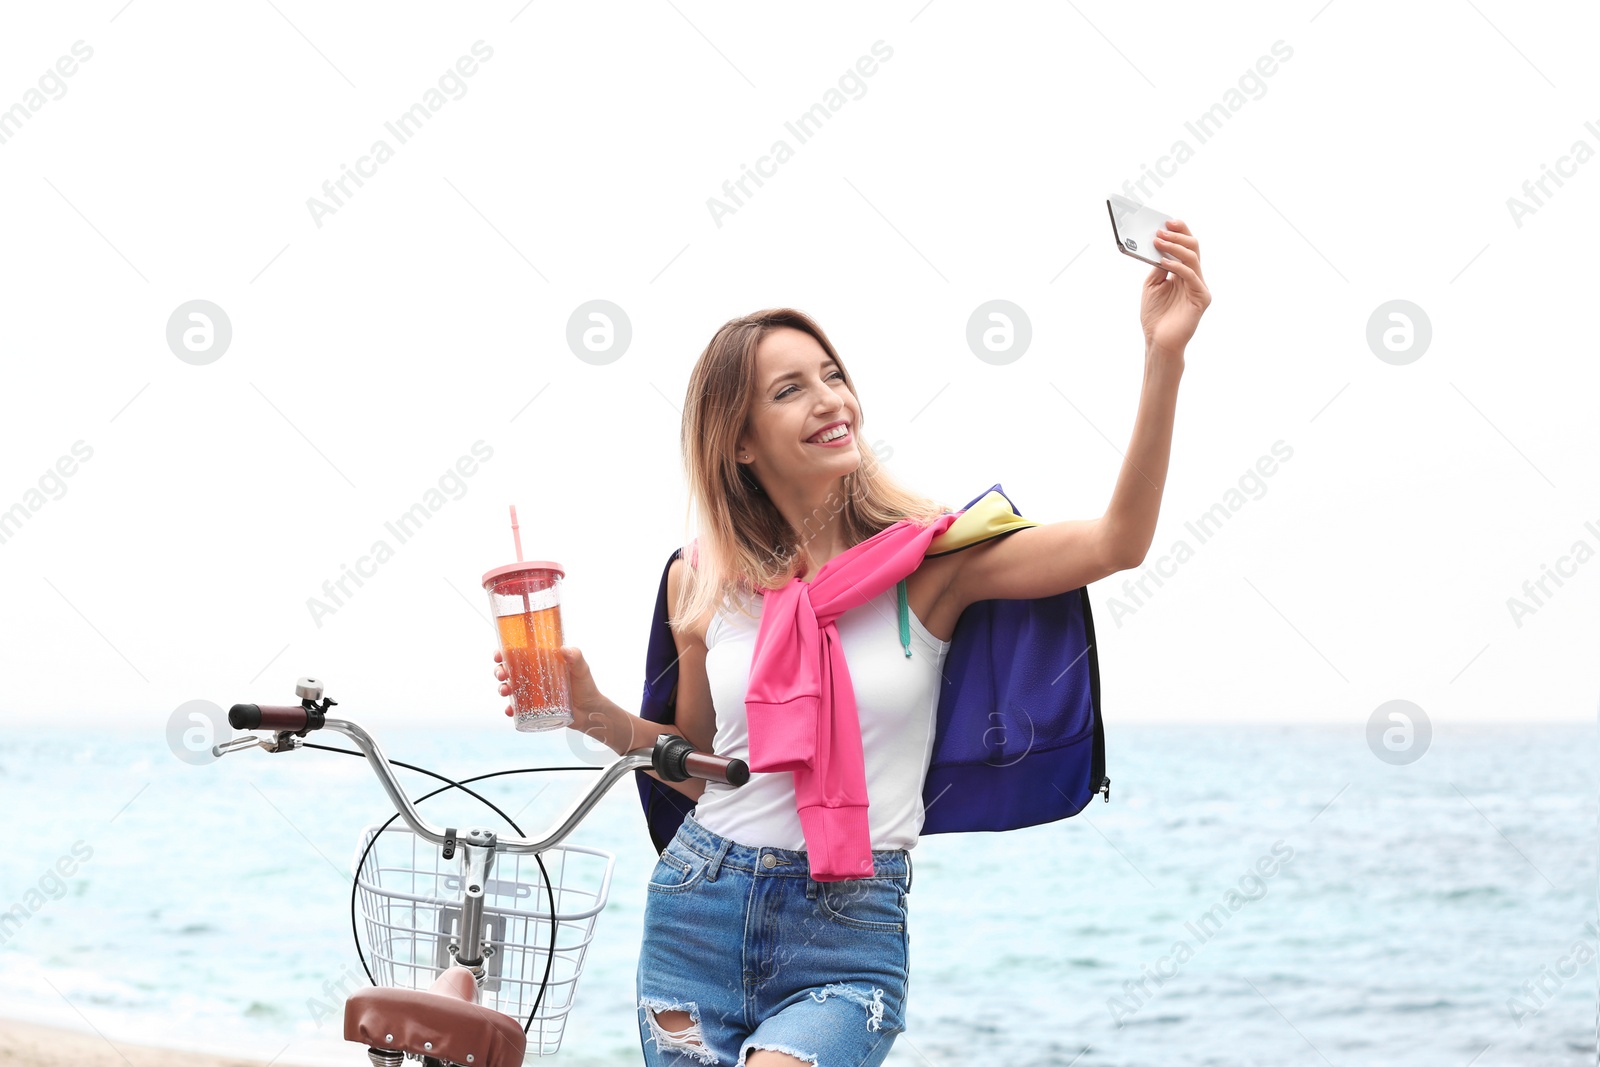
(526, 601)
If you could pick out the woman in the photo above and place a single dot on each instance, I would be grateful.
(747, 959)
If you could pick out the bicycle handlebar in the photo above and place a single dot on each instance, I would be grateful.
(673, 757)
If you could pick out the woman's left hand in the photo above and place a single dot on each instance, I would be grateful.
(1170, 308)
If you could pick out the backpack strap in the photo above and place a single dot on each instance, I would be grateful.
(905, 618)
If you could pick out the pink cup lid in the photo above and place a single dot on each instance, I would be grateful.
(526, 565)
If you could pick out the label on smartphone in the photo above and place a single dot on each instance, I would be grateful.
(1135, 226)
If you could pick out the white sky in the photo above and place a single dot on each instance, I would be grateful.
(429, 312)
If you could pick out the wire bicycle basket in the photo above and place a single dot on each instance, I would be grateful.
(410, 903)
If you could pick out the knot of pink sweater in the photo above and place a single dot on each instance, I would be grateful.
(800, 705)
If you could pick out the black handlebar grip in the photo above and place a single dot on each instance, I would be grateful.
(676, 760)
(267, 717)
(712, 768)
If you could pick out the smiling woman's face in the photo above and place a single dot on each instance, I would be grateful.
(800, 391)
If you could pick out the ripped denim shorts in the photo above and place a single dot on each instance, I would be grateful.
(760, 956)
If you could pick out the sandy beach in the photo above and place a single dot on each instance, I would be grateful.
(27, 1045)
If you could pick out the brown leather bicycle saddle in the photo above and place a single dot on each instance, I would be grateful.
(444, 1021)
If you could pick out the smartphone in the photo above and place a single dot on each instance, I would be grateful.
(1135, 226)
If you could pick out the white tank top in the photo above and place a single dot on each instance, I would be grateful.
(897, 700)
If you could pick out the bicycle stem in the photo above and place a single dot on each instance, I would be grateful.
(469, 953)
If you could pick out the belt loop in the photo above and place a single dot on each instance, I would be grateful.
(716, 859)
(908, 872)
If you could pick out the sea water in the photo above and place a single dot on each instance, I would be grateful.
(1250, 895)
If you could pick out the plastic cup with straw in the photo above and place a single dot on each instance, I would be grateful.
(525, 598)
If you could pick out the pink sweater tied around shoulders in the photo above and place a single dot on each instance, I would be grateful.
(800, 705)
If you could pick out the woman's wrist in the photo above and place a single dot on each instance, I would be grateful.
(1159, 358)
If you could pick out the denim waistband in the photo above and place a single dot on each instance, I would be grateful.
(783, 862)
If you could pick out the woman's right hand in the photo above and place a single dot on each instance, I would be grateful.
(585, 694)
(589, 705)
(505, 684)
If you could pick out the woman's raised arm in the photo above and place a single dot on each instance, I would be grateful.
(1046, 560)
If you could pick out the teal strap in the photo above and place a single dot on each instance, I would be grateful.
(905, 618)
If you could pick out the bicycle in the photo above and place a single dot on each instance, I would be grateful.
(463, 947)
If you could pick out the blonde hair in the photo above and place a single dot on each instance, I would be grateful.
(744, 542)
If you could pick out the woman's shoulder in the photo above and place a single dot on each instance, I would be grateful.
(677, 588)
(740, 600)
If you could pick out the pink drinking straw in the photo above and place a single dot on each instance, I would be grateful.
(516, 536)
